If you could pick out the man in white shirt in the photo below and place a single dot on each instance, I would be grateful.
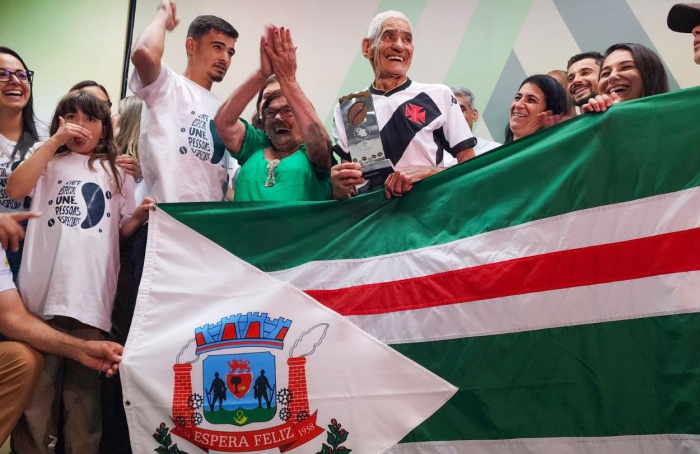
(182, 157)
(465, 99)
(582, 74)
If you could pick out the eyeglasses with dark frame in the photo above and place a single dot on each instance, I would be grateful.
(25, 76)
(271, 112)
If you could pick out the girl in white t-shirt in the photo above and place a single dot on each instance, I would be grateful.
(71, 260)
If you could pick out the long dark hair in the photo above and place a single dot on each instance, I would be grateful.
(649, 65)
(554, 96)
(106, 150)
(29, 135)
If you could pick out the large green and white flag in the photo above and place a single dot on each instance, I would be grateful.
(554, 281)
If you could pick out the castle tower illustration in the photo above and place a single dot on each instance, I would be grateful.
(307, 343)
(182, 412)
(299, 405)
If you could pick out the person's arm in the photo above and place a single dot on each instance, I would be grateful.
(548, 118)
(130, 165)
(465, 155)
(148, 51)
(24, 178)
(231, 131)
(16, 323)
(282, 54)
(137, 219)
(11, 232)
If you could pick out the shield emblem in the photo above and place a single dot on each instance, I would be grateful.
(240, 388)
(239, 383)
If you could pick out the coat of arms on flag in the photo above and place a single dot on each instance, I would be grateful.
(245, 346)
(222, 357)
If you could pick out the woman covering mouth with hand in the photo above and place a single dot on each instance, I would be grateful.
(629, 71)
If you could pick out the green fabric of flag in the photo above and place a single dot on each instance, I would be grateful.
(554, 281)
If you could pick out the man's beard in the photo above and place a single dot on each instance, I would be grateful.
(216, 77)
(585, 100)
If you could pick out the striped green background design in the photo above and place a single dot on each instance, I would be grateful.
(487, 45)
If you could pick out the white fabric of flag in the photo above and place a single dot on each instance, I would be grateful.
(225, 358)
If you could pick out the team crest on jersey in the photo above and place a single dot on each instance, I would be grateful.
(244, 390)
(415, 113)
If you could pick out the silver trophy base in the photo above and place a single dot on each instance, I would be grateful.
(380, 168)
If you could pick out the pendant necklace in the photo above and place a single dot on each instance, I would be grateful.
(271, 166)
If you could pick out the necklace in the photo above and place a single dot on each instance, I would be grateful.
(271, 166)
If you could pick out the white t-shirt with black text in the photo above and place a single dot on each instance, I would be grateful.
(181, 155)
(71, 252)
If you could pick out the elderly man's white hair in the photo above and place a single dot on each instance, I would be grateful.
(375, 26)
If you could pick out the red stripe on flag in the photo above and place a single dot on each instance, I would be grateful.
(651, 256)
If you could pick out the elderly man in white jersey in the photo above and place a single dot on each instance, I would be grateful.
(421, 126)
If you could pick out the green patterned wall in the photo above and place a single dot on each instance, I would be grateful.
(488, 45)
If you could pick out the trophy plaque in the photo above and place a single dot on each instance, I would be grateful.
(362, 130)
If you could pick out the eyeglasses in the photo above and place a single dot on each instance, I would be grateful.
(23, 75)
(271, 112)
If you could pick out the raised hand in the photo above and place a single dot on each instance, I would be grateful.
(170, 10)
(265, 64)
(281, 51)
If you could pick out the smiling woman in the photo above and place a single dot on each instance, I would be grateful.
(19, 129)
(629, 71)
(632, 71)
(537, 98)
(18, 126)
